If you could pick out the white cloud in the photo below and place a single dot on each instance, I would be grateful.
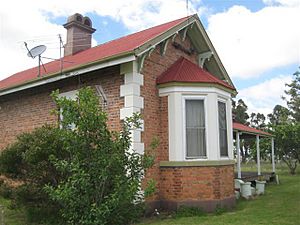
(248, 43)
(282, 2)
(251, 43)
(264, 96)
(31, 19)
(18, 24)
(135, 14)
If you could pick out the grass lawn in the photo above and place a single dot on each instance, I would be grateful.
(280, 205)
(11, 216)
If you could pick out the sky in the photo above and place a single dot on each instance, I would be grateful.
(258, 41)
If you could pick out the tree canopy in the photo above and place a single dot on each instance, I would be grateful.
(285, 124)
(293, 99)
(82, 174)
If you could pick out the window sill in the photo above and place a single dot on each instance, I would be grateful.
(196, 163)
(224, 158)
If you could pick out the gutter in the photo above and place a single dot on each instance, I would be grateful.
(82, 69)
(254, 133)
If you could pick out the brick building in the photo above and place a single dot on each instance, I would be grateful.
(169, 73)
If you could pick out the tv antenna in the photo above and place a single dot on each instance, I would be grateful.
(37, 51)
(187, 7)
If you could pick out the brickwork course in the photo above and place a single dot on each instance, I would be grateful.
(24, 111)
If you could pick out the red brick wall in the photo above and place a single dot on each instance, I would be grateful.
(164, 131)
(179, 183)
(196, 183)
(26, 110)
(22, 113)
(155, 112)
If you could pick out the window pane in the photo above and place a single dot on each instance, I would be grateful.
(195, 128)
(222, 129)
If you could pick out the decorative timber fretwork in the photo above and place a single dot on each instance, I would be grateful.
(164, 44)
(183, 33)
(204, 56)
(141, 58)
(163, 47)
(187, 51)
(174, 36)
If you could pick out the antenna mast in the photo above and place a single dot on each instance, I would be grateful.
(187, 7)
(61, 45)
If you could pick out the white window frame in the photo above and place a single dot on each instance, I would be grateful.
(72, 95)
(220, 99)
(176, 120)
(194, 97)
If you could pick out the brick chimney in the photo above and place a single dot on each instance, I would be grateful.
(79, 34)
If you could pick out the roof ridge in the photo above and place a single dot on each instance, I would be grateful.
(149, 28)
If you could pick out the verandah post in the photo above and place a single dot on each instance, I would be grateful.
(238, 155)
(273, 155)
(258, 155)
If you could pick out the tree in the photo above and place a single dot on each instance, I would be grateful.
(288, 144)
(285, 123)
(239, 112)
(240, 115)
(293, 101)
(257, 120)
(280, 115)
(103, 184)
(82, 174)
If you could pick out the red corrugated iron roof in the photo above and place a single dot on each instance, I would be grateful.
(185, 71)
(251, 130)
(116, 47)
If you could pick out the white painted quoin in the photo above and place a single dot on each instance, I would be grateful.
(133, 101)
(177, 95)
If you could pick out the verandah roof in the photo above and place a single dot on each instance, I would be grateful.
(249, 131)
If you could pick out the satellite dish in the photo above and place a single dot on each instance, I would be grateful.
(36, 51)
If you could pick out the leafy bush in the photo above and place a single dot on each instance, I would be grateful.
(287, 143)
(28, 160)
(188, 211)
(104, 177)
(5, 190)
(220, 210)
(80, 174)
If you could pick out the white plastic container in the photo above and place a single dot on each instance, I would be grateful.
(260, 187)
(246, 190)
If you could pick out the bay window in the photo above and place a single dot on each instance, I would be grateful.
(222, 129)
(195, 128)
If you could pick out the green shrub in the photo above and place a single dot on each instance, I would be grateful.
(5, 190)
(104, 177)
(220, 210)
(28, 160)
(81, 174)
(188, 211)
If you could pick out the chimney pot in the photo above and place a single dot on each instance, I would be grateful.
(79, 34)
